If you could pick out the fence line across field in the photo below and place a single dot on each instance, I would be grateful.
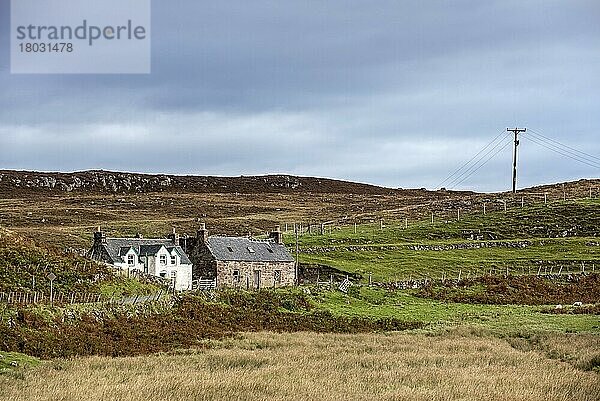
(26, 298)
(427, 214)
(444, 279)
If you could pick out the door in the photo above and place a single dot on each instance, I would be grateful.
(256, 279)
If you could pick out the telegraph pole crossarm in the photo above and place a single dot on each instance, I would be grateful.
(516, 131)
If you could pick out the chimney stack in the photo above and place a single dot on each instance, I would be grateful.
(174, 237)
(99, 237)
(202, 234)
(277, 235)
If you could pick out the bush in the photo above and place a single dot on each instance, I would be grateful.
(188, 324)
(521, 290)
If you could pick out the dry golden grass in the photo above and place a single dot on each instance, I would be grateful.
(308, 366)
(582, 350)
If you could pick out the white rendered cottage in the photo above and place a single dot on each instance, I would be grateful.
(156, 257)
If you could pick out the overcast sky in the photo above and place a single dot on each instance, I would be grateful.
(395, 93)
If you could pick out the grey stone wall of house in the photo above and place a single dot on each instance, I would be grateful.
(240, 261)
(245, 274)
(204, 264)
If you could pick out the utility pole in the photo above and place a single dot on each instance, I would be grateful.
(515, 131)
(297, 259)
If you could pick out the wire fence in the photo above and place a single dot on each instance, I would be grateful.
(65, 298)
(558, 274)
(444, 211)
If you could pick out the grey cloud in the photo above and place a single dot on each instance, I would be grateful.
(388, 92)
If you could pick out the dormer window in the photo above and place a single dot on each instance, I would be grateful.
(270, 250)
(230, 249)
(250, 250)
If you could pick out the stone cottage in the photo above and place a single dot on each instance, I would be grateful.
(157, 257)
(242, 262)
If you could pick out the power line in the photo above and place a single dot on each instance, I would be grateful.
(566, 148)
(490, 150)
(561, 152)
(476, 159)
(483, 164)
(564, 152)
(473, 158)
(468, 172)
(474, 167)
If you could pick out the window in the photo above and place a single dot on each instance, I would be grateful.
(250, 250)
(131, 260)
(230, 249)
(163, 274)
(173, 275)
(277, 276)
(173, 259)
(236, 276)
(163, 260)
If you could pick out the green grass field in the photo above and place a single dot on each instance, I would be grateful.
(561, 234)
(502, 320)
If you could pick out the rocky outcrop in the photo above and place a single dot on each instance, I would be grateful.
(99, 181)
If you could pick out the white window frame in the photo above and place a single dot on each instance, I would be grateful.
(162, 259)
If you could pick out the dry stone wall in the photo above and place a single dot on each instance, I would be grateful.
(247, 273)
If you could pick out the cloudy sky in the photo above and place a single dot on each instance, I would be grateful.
(396, 93)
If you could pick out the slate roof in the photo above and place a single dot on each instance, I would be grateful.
(116, 248)
(247, 249)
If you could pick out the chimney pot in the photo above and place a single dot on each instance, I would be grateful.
(174, 237)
